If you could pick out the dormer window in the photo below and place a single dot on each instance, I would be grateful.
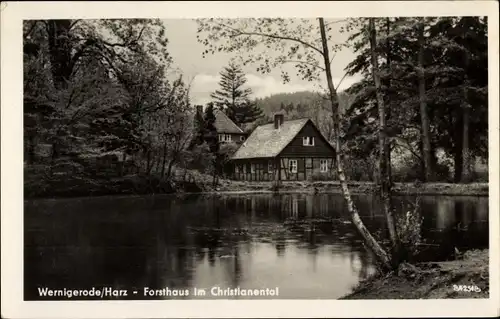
(308, 141)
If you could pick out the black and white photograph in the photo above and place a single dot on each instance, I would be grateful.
(254, 157)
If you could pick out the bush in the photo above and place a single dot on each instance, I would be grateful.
(442, 173)
(409, 228)
(408, 172)
(360, 169)
(318, 176)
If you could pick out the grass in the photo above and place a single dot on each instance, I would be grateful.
(473, 189)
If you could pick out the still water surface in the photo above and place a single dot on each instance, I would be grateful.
(303, 244)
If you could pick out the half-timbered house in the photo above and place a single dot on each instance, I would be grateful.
(227, 130)
(284, 150)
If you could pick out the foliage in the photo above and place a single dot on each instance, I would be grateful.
(268, 43)
(233, 98)
(97, 95)
(455, 61)
(409, 228)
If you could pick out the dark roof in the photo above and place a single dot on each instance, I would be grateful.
(266, 141)
(223, 124)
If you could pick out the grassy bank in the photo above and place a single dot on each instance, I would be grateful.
(473, 189)
(430, 280)
(76, 186)
(59, 186)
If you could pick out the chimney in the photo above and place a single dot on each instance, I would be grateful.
(278, 120)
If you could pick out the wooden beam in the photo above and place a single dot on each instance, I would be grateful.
(279, 168)
(305, 169)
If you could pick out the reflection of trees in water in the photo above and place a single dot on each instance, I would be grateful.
(280, 247)
(453, 222)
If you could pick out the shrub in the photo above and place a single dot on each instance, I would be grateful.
(408, 172)
(318, 176)
(409, 227)
(360, 169)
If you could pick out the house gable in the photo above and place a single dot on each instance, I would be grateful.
(223, 124)
(296, 147)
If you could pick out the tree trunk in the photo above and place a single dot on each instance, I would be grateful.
(385, 184)
(60, 48)
(457, 165)
(169, 169)
(164, 159)
(388, 99)
(466, 160)
(369, 240)
(31, 154)
(424, 117)
(148, 161)
(122, 166)
(457, 133)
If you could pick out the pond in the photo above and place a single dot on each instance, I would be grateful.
(303, 245)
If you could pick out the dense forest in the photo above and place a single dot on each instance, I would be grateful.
(104, 113)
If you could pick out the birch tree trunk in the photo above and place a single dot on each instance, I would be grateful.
(424, 117)
(382, 257)
(385, 184)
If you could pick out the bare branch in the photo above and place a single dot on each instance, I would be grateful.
(74, 23)
(304, 62)
(342, 79)
(272, 36)
(336, 21)
(333, 57)
(140, 33)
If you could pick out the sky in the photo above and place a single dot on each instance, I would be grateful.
(204, 72)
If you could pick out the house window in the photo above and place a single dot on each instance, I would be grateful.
(308, 141)
(323, 164)
(236, 169)
(293, 166)
(252, 168)
(224, 138)
(270, 166)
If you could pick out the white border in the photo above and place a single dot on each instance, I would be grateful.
(13, 306)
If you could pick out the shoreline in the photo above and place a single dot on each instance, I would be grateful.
(466, 277)
(300, 187)
(333, 187)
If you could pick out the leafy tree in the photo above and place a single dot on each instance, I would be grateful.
(211, 138)
(233, 99)
(199, 127)
(95, 89)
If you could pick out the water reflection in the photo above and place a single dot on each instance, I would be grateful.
(303, 244)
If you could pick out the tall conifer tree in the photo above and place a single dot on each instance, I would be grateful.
(233, 98)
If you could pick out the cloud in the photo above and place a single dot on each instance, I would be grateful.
(204, 84)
